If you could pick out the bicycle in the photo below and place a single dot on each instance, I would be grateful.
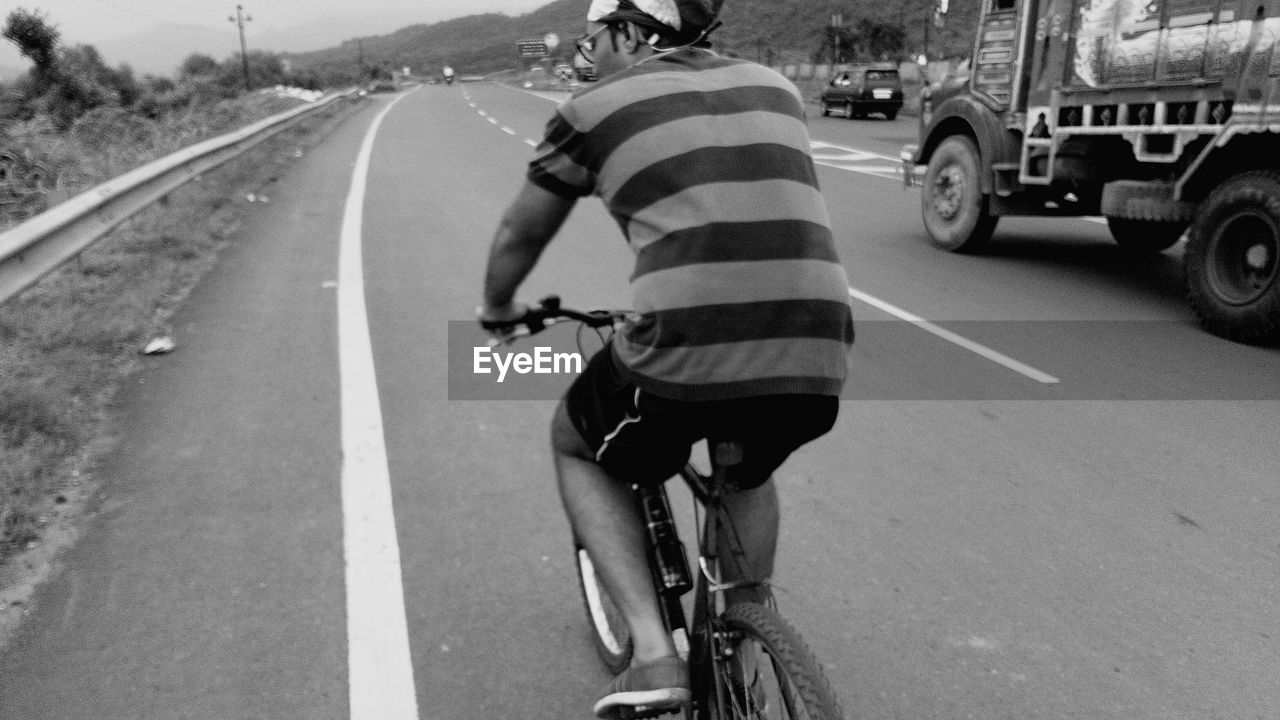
(745, 661)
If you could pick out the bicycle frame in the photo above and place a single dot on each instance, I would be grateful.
(706, 644)
(720, 621)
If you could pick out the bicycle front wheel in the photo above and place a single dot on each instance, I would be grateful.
(765, 670)
(608, 627)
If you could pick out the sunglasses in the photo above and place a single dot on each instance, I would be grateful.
(587, 44)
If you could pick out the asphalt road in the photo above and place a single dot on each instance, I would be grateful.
(1056, 498)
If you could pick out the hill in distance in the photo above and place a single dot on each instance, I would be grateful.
(160, 49)
(762, 30)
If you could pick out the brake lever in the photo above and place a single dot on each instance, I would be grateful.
(534, 321)
(509, 338)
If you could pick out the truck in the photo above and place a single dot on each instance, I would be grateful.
(1163, 116)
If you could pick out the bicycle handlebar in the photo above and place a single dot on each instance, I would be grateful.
(547, 312)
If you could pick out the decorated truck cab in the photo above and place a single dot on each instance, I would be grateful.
(1161, 115)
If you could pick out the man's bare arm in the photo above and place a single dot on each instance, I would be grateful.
(528, 225)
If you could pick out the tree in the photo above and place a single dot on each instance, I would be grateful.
(198, 65)
(36, 39)
(79, 82)
(880, 40)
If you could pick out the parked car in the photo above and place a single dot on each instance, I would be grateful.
(863, 90)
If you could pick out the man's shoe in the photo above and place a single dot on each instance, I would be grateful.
(647, 689)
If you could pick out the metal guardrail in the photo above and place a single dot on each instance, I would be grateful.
(39, 245)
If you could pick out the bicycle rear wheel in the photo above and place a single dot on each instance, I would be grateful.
(765, 670)
(608, 627)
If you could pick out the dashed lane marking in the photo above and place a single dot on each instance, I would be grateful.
(869, 163)
(956, 339)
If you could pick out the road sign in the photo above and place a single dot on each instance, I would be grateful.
(532, 48)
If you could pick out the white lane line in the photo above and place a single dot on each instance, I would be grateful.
(492, 120)
(982, 350)
(379, 665)
(531, 143)
(851, 157)
(556, 97)
(508, 130)
(881, 170)
(823, 149)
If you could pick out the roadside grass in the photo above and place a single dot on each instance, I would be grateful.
(67, 343)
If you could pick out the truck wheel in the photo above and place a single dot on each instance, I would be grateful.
(956, 212)
(1145, 236)
(890, 114)
(1232, 262)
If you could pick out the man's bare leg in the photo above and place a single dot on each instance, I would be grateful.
(602, 513)
(755, 516)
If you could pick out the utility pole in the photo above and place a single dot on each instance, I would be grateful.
(240, 19)
(837, 24)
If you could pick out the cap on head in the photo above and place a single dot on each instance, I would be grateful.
(687, 19)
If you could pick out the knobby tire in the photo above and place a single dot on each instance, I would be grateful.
(801, 691)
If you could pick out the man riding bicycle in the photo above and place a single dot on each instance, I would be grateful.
(742, 324)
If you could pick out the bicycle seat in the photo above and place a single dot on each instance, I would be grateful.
(726, 453)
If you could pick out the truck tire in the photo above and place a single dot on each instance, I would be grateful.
(1145, 236)
(956, 212)
(1232, 263)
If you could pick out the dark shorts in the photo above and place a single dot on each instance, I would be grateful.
(644, 439)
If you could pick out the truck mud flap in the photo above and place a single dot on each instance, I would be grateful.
(1144, 200)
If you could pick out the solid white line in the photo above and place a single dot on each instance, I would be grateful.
(819, 145)
(379, 665)
(876, 169)
(967, 344)
(865, 169)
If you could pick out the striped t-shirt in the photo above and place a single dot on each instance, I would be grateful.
(704, 161)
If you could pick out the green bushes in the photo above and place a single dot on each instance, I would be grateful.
(67, 343)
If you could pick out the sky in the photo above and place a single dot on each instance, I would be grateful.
(95, 22)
